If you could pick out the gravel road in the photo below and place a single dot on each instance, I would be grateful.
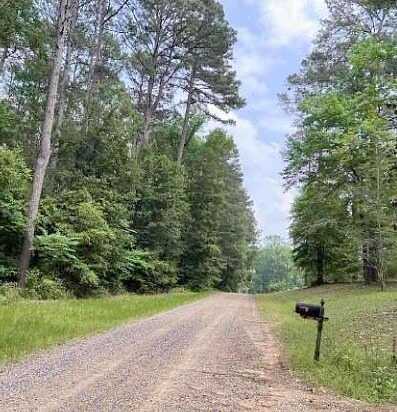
(213, 355)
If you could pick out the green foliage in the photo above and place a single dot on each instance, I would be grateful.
(16, 23)
(161, 207)
(221, 230)
(58, 256)
(343, 158)
(142, 272)
(42, 287)
(14, 177)
(116, 215)
(323, 246)
(8, 125)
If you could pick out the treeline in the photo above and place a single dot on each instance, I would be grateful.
(274, 268)
(343, 155)
(107, 184)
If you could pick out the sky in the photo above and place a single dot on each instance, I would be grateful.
(273, 38)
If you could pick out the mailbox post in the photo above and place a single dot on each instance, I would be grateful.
(314, 312)
(319, 332)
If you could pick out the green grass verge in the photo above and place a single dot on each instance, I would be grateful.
(27, 326)
(357, 340)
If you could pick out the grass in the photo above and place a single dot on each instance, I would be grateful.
(356, 356)
(27, 326)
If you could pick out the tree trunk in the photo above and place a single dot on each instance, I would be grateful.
(64, 83)
(3, 59)
(147, 127)
(320, 266)
(64, 14)
(96, 59)
(379, 243)
(185, 127)
(380, 266)
(369, 263)
(147, 117)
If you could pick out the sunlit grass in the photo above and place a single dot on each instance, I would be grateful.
(356, 357)
(26, 326)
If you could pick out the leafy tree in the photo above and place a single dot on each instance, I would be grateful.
(208, 77)
(153, 32)
(324, 245)
(344, 147)
(221, 231)
(161, 207)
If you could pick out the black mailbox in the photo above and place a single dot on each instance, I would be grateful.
(309, 311)
(315, 312)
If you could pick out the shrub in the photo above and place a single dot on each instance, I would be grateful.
(143, 272)
(58, 254)
(92, 250)
(43, 287)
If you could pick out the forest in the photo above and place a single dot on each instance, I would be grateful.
(110, 178)
(342, 157)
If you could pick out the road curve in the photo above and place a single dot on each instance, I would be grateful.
(213, 355)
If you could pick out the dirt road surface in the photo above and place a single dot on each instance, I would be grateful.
(213, 355)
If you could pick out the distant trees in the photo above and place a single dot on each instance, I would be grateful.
(343, 155)
(98, 96)
(274, 267)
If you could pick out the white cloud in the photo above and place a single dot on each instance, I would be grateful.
(262, 163)
(291, 20)
(252, 62)
(270, 31)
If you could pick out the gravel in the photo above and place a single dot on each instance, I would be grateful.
(212, 355)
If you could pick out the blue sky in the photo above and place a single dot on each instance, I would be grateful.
(273, 37)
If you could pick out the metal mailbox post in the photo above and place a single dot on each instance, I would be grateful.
(314, 312)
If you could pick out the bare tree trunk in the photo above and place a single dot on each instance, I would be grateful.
(96, 59)
(147, 117)
(369, 262)
(3, 59)
(185, 126)
(64, 14)
(152, 102)
(64, 83)
(320, 266)
(379, 246)
(147, 127)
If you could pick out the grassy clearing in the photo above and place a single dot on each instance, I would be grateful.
(357, 340)
(26, 326)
